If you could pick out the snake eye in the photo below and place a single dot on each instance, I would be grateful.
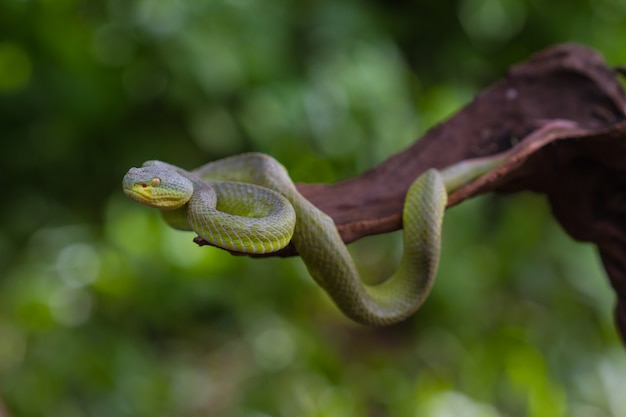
(155, 182)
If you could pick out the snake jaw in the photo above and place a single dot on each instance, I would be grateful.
(140, 192)
(152, 196)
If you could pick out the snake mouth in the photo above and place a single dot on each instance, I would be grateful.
(149, 196)
(138, 192)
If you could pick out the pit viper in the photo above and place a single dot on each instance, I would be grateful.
(248, 203)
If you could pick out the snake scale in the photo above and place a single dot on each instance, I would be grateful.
(248, 203)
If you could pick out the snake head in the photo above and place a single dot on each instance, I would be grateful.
(157, 186)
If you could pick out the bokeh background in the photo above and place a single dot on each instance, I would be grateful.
(104, 311)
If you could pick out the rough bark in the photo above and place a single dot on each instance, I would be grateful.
(562, 114)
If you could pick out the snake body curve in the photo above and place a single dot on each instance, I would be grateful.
(248, 203)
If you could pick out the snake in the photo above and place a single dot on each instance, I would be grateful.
(248, 203)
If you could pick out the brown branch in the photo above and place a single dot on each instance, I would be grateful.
(561, 115)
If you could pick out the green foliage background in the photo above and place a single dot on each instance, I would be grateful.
(106, 312)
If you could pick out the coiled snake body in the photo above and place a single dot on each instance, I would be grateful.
(248, 203)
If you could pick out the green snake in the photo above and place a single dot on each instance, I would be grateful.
(248, 203)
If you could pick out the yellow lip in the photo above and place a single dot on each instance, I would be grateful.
(150, 196)
(138, 192)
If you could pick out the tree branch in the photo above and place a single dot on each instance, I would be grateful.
(562, 115)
